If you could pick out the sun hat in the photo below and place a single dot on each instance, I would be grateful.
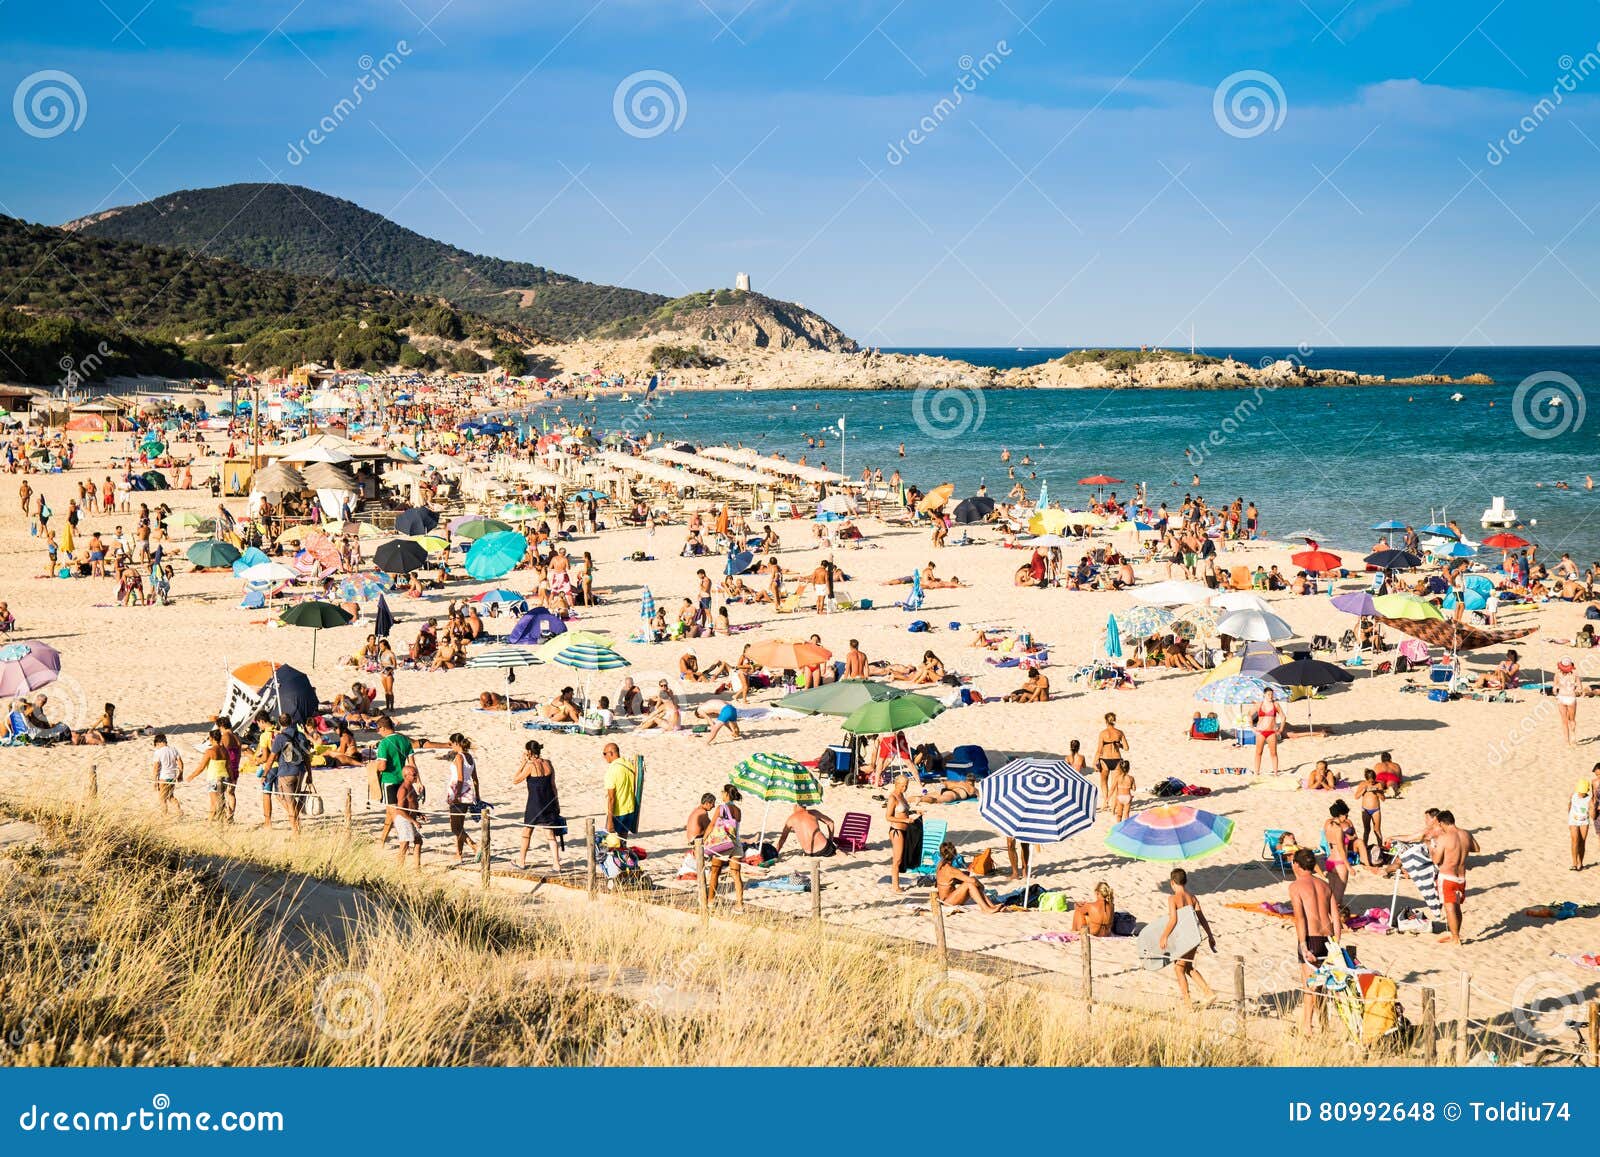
(1583, 787)
(1565, 665)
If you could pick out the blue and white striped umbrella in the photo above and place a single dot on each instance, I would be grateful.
(504, 656)
(1237, 689)
(1038, 801)
(590, 657)
(647, 605)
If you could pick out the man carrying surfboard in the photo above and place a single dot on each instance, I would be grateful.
(1185, 923)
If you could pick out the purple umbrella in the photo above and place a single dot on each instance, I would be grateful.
(26, 667)
(536, 626)
(1355, 603)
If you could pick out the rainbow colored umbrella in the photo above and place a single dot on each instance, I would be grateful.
(1170, 833)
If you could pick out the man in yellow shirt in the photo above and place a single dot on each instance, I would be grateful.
(622, 793)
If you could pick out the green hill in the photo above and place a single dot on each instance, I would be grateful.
(297, 230)
(170, 312)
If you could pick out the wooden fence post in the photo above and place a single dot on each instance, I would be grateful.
(417, 824)
(938, 931)
(484, 846)
(94, 781)
(349, 819)
(1238, 982)
(1086, 955)
(590, 873)
(703, 897)
(1463, 1016)
(816, 890)
(1429, 1029)
(1594, 1034)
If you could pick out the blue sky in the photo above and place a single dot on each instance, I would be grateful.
(1088, 188)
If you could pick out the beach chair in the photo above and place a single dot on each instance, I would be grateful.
(913, 601)
(933, 833)
(1270, 851)
(852, 833)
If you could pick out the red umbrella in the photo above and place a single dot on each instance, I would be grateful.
(1099, 480)
(1316, 561)
(1505, 540)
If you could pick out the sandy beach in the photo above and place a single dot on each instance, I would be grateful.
(1501, 767)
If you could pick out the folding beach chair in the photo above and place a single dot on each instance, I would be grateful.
(913, 601)
(1270, 851)
(933, 833)
(852, 833)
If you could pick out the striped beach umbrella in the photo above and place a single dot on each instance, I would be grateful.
(507, 658)
(1170, 833)
(647, 605)
(770, 777)
(582, 656)
(1038, 801)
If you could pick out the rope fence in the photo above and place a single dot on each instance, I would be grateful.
(1109, 988)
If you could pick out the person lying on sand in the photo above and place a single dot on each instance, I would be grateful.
(951, 791)
(665, 714)
(494, 701)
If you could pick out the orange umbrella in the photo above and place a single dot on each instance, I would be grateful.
(778, 655)
(721, 526)
(937, 497)
(321, 548)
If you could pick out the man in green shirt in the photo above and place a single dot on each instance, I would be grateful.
(622, 792)
(394, 756)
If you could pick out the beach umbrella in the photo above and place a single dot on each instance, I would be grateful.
(1038, 801)
(1045, 541)
(1393, 560)
(739, 562)
(842, 698)
(1140, 623)
(1234, 690)
(647, 607)
(1316, 561)
(382, 619)
(1173, 593)
(1256, 659)
(417, 520)
(781, 655)
(1454, 636)
(537, 626)
(1113, 638)
(358, 588)
(26, 667)
(473, 529)
(885, 715)
(1309, 673)
(212, 553)
(1083, 518)
(1404, 606)
(496, 554)
(937, 498)
(519, 511)
(267, 573)
(318, 616)
(581, 656)
(589, 496)
(1505, 540)
(1256, 626)
(430, 543)
(1170, 833)
(1047, 522)
(1099, 480)
(1355, 603)
(344, 528)
(186, 520)
(500, 596)
(317, 453)
(1238, 601)
(402, 556)
(974, 509)
(548, 651)
(776, 777)
(1438, 530)
(844, 504)
(252, 556)
(296, 533)
(291, 688)
(1392, 524)
(506, 658)
(1455, 550)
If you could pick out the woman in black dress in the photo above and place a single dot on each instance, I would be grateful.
(544, 807)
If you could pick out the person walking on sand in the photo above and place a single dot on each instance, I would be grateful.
(1316, 921)
(723, 846)
(393, 755)
(1568, 688)
(1369, 793)
(1183, 968)
(1268, 719)
(1109, 753)
(166, 769)
(543, 808)
(407, 815)
(1451, 847)
(1582, 815)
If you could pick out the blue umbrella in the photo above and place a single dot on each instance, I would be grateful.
(647, 606)
(1237, 689)
(1038, 801)
(495, 555)
(1392, 524)
(1440, 531)
(589, 496)
(739, 562)
(1142, 622)
(361, 587)
(252, 556)
(590, 657)
(1456, 550)
(501, 596)
(1113, 638)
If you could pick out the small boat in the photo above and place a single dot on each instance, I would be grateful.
(1499, 516)
(1457, 397)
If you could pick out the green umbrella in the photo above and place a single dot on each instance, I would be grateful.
(476, 528)
(895, 714)
(213, 553)
(769, 777)
(1404, 606)
(843, 698)
(316, 615)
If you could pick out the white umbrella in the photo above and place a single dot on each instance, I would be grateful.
(1174, 593)
(1048, 540)
(1255, 627)
(329, 454)
(837, 504)
(1239, 601)
(266, 572)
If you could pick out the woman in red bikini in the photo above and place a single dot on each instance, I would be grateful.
(1268, 724)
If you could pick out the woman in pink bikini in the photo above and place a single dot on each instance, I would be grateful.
(1268, 724)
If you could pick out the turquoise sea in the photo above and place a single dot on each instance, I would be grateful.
(1334, 460)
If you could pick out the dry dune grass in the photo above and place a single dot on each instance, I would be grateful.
(124, 945)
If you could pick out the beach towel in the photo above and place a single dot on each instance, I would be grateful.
(1581, 959)
(1056, 937)
(1277, 909)
(1418, 867)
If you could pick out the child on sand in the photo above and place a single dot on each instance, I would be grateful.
(1183, 967)
(1122, 786)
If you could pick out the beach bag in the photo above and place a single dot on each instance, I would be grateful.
(917, 626)
(1438, 695)
(982, 863)
(1591, 612)
(1122, 924)
(720, 840)
(1053, 902)
(311, 804)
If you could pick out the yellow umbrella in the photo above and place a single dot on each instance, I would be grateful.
(339, 526)
(936, 498)
(1048, 522)
(431, 543)
(1083, 518)
(297, 533)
